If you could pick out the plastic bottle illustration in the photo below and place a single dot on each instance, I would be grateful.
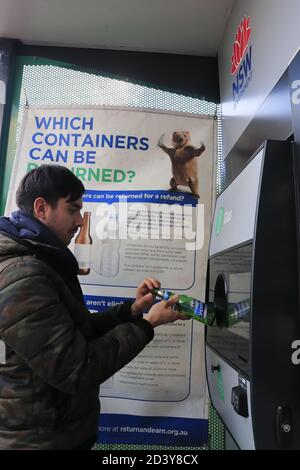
(83, 246)
(193, 308)
(110, 252)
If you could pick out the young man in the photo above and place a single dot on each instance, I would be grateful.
(57, 353)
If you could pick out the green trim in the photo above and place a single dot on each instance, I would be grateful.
(10, 125)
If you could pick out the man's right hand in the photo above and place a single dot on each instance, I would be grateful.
(163, 312)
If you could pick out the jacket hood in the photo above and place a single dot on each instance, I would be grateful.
(23, 234)
(23, 226)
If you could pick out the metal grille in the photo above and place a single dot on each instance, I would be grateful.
(220, 173)
(48, 84)
(42, 84)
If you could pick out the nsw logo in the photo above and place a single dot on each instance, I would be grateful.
(241, 60)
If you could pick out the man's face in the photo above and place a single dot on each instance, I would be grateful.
(65, 219)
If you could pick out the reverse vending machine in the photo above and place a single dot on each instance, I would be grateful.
(253, 260)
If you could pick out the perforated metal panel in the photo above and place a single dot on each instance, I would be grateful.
(41, 83)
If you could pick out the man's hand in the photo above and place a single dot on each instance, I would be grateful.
(163, 312)
(144, 298)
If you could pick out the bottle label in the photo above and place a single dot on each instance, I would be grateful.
(167, 294)
(199, 308)
(83, 254)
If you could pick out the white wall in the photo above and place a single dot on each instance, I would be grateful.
(275, 40)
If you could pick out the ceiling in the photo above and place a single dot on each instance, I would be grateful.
(192, 27)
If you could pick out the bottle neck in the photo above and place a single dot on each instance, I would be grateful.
(158, 292)
(84, 233)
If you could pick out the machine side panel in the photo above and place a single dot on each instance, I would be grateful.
(275, 380)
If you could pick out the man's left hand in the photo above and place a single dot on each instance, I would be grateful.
(144, 297)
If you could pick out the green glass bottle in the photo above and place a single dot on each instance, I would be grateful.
(191, 307)
(238, 311)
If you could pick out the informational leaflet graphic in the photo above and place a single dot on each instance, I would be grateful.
(149, 180)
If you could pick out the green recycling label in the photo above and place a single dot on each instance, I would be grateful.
(219, 221)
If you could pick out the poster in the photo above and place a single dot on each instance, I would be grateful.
(149, 180)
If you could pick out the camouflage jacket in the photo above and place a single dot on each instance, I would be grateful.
(57, 354)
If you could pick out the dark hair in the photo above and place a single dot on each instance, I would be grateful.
(52, 182)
